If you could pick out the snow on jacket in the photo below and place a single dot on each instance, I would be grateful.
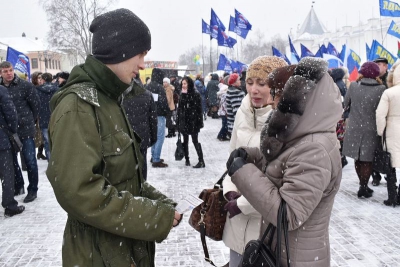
(45, 92)
(27, 103)
(361, 137)
(141, 112)
(303, 167)
(8, 119)
(388, 116)
(242, 228)
(114, 217)
(234, 98)
(156, 88)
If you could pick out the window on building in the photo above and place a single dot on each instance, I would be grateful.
(45, 63)
(35, 64)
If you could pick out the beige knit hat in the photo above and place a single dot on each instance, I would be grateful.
(262, 66)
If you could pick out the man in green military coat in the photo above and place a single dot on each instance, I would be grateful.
(114, 216)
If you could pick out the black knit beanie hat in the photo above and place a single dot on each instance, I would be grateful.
(119, 35)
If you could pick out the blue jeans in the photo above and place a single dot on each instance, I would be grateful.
(29, 152)
(156, 148)
(45, 134)
(224, 129)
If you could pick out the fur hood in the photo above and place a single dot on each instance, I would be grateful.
(310, 103)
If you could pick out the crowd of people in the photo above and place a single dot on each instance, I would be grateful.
(289, 128)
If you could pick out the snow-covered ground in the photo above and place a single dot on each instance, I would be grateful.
(363, 232)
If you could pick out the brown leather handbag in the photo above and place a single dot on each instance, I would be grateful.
(209, 217)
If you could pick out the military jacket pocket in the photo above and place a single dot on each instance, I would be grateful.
(117, 143)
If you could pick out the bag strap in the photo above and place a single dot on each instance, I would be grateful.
(282, 224)
(285, 233)
(384, 139)
(217, 185)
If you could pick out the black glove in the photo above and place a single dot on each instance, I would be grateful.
(237, 153)
(236, 165)
(232, 208)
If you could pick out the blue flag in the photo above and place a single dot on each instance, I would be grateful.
(234, 28)
(19, 61)
(394, 30)
(377, 50)
(241, 21)
(367, 50)
(331, 50)
(213, 32)
(353, 61)
(305, 52)
(389, 8)
(278, 53)
(321, 51)
(224, 63)
(237, 66)
(225, 40)
(205, 28)
(216, 21)
(294, 56)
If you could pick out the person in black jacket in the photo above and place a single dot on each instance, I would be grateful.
(337, 75)
(27, 103)
(45, 92)
(160, 97)
(190, 119)
(8, 126)
(141, 112)
(212, 98)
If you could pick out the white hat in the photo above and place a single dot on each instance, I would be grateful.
(166, 80)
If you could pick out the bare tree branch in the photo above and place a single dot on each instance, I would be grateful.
(69, 23)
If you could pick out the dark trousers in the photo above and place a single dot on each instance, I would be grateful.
(29, 152)
(195, 138)
(7, 180)
(224, 129)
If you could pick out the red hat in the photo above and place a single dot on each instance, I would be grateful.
(369, 70)
(233, 78)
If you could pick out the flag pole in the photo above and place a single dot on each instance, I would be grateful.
(211, 68)
(237, 50)
(202, 51)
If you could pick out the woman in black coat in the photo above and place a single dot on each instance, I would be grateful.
(190, 119)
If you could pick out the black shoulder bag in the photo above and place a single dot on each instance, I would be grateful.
(382, 158)
(259, 254)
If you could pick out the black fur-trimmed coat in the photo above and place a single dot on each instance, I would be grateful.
(299, 162)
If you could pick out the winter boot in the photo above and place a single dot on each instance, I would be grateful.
(199, 151)
(363, 192)
(392, 190)
(344, 161)
(376, 178)
(40, 153)
(186, 152)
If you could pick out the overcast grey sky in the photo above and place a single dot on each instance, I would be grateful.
(175, 25)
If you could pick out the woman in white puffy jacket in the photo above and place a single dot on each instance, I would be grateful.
(388, 117)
